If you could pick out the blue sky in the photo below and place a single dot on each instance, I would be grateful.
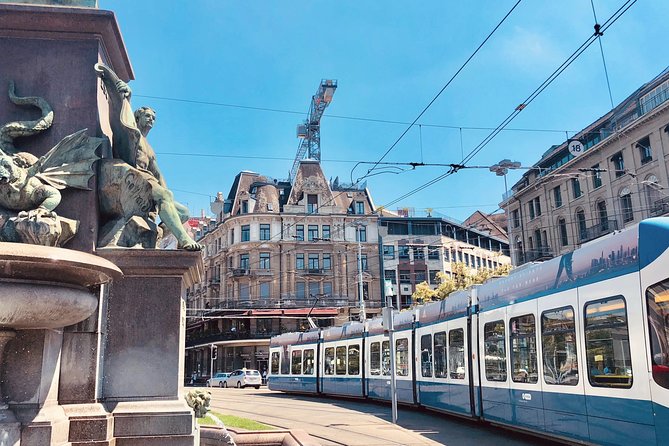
(390, 59)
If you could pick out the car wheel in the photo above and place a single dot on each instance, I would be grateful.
(220, 384)
(257, 387)
(225, 384)
(239, 385)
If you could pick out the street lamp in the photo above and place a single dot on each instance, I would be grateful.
(501, 169)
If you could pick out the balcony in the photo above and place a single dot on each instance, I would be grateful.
(659, 207)
(602, 228)
(289, 301)
(538, 254)
(240, 272)
(314, 271)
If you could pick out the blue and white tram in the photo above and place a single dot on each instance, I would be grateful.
(575, 348)
(293, 362)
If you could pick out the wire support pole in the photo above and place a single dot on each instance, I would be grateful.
(361, 298)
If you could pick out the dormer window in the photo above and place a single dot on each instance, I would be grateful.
(312, 203)
(360, 207)
(245, 207)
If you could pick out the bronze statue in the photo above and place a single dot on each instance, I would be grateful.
(132, 188)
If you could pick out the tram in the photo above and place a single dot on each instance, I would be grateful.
(575, 348)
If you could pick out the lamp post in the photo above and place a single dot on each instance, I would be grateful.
(501, 169)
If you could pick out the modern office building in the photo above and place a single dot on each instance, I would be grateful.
(610, 175)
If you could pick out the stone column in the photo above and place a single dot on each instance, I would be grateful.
(143, 365)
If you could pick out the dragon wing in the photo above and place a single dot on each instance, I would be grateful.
(70, 162)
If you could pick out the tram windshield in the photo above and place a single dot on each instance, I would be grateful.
(657, 298)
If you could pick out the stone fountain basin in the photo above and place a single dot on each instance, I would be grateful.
(46, 287)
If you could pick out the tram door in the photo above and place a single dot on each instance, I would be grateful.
(561, 364)
(615, 370)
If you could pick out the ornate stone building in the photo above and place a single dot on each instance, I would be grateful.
(619, 177)
(277, 252)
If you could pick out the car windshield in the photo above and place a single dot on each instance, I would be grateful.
(252, 372)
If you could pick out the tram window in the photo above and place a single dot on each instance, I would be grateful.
(354, 359)
(329, 361)
(385, 357)
(607, 343)
(426, 355)
(558, 343)
(375, 358)
(340, 368)
(440, 363)
(297, 362)
(657, 297)
(285, 361)
(276, 356)
(456, 353)
(523, 349)
(402, 357)
(495, 352)
(308, 362)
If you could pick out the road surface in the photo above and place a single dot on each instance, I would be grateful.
(337, 422)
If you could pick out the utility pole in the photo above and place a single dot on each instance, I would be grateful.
(501, 169)
(361, 299)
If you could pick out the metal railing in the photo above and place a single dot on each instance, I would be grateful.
(659, 207)
(585, 234)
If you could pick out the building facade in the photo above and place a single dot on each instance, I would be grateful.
(415, 249)
(281, 251)
(615, 174)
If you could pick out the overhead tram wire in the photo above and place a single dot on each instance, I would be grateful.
(462, 67)
(609, 22)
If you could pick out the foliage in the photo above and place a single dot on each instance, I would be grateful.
(198, 400)
(231, 421)
(461, 278)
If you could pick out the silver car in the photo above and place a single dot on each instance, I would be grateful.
(243, 378)
(217, 380)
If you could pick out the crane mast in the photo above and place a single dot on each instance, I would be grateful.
(309, 131)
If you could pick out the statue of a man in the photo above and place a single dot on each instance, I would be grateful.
(138, 174)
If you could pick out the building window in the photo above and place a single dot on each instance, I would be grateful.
(300, 290)
(388, 252)
(537, 206)
(299, 232)
(603, 216)
(245, 207)
(326, 232)
(582, 227)
(626, 205)
(515, 217)
(618, 164)
(389, 274)
(405, 276)
(359, 207)
(420, 276)
(361, 234)
(644, 150)
(299, 261)
(327, 289)
(363, 261)
(246, 233)
(530, 208)
(576, 187)
(232, 236)
(403, 252)
(313, 262)
(265, 290)
(434, 280)
(562, 225)
(433, 253)
(312, 232)
(314, 289)
(243, 261)
(264, 232)
(312, 204)
(596, 177)
(327, 261)
(418, 252)
(244, 291)
(264, 260)
(557, 195)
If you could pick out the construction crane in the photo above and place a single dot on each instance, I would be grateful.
(309, 131)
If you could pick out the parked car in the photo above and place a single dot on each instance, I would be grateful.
(217, 380)
(243, 378)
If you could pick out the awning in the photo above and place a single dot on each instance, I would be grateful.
(266, 312)
(314, 312)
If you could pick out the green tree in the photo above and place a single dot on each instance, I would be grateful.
(461, 278)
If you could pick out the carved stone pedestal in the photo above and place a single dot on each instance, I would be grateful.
(142, 385)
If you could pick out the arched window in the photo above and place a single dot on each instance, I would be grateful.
(582, 227)
(626, 204)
